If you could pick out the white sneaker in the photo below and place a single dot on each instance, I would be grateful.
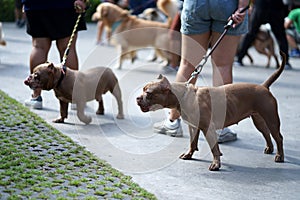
(35, 103)
(167, 127)
(226, 135)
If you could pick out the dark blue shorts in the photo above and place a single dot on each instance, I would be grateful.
(201, 16)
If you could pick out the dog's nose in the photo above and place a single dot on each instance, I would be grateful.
(27, 81)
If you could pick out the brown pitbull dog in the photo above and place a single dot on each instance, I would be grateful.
(77, 87)
(211, 108)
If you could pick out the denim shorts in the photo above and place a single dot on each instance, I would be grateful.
(200, 16)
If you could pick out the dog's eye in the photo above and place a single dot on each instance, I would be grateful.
(36, 76)
(149, 95)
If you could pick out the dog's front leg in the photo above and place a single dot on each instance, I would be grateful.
(194, 136)
(63, 112)
(211, 137)
(80, 113)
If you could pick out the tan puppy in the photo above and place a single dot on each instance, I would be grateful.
(211, 108)
(130, 33)
(2, 41)
(264, 44)
(77, 87)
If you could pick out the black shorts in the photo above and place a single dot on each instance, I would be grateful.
(55, 25)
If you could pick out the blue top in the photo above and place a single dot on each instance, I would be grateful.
(138, 6)
(47, 4)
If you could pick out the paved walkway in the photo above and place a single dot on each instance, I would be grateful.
(152, 160)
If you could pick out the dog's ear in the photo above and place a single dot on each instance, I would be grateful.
(50, 68)
(103, 12)
(96, 16)
(160, 76)
(165, 84)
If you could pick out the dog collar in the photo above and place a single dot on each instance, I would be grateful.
(62, 75)
(115, 25)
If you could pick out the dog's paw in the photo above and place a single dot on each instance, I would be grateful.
(279, 158)
(268, 150)
(186, 156)
(87, 120)
(59, 120)
(215, 166)
(120, 116)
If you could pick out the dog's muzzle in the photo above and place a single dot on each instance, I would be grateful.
(28, 80)
(142, 104)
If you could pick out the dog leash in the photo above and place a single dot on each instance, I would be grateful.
(63, 62)
(199, 67)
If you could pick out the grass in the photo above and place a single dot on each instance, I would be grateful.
(39, 162)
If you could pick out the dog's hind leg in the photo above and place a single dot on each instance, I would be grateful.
(261, 125)
(100, 110)
(270, 116)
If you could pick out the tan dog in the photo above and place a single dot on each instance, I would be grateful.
(264, 44)
(2, 41)
(130, 33)
(211, 108)
(77, 87)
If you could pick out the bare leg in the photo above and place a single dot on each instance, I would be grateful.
(222, 58)
(72, 59)
(190, 45)
(38, 55)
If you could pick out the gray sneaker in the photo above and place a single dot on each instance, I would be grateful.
(35, 103)
(226, 135)
(167, 127)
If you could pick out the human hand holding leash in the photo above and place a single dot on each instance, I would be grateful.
(80, 6)
(237, 17)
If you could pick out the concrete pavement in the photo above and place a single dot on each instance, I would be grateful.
(151, 159)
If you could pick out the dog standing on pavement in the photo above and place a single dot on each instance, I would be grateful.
(129, 32)
(264, 44)
(211, 108)
(2, 41)
(76, 87)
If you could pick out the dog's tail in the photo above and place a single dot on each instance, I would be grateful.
(277, 73)
(169, 8)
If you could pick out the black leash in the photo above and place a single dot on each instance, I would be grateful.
(199, 67)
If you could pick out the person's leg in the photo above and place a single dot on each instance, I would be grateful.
(38, 55)
(193, 49)
(190, 59)
(256, 20)
(223, 57)
(277, 24)
(222, 60)
(291, 41)
(72, 59)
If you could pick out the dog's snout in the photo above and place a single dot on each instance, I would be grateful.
(27, 81)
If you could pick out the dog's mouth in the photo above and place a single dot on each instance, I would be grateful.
(142, 104)
(31, 83)
(146, 107)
